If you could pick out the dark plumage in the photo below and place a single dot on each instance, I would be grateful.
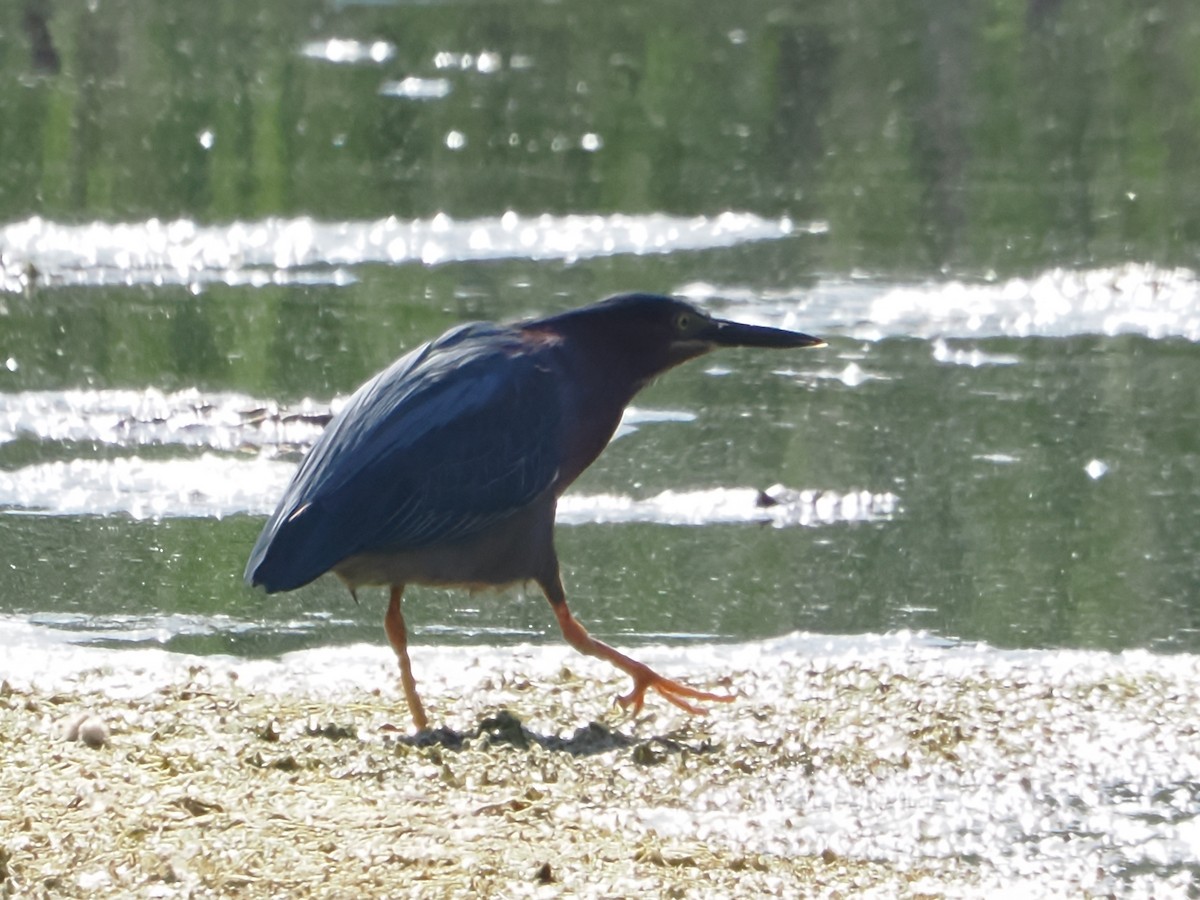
(446, 467)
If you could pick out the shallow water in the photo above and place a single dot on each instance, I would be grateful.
(889, 481)
(209, 241)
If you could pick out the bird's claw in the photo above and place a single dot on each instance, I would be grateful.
(672, 691)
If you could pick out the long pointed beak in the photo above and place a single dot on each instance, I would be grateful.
(736, 334)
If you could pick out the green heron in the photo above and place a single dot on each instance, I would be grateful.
(446, 468)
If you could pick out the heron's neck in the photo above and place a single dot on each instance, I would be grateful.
(594, 397)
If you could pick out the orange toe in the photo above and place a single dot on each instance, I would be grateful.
(671, 691)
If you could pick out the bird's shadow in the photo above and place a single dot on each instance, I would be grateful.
(503, 729)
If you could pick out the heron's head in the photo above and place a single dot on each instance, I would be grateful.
(650, 333)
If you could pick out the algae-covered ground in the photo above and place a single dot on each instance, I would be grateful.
(885, 767)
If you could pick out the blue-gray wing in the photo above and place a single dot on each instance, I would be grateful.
(450, 439)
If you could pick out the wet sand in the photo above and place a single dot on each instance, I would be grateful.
(898, 770)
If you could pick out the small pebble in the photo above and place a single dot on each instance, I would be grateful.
(87, 728)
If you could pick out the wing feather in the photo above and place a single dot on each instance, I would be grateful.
(448, 440)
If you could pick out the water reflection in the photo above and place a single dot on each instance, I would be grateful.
(931, 137)
(1133, 298)
(37, 253)
(1026, 491)
(217, 225)
(348, 50)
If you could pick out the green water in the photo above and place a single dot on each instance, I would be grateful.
(937, 141)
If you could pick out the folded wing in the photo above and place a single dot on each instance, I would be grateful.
(450, 439)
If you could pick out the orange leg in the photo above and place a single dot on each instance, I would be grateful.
(393, 624)
(644, 678)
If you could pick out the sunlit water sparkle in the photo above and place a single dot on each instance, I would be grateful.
(1134, 298)
(37, 251)
(212, 485)
(248, 477)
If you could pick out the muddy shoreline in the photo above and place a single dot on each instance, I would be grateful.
(536, 786)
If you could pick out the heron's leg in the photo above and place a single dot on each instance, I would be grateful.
(393, 624)
(644, 678)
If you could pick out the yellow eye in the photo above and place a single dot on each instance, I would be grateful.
(683, 322)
